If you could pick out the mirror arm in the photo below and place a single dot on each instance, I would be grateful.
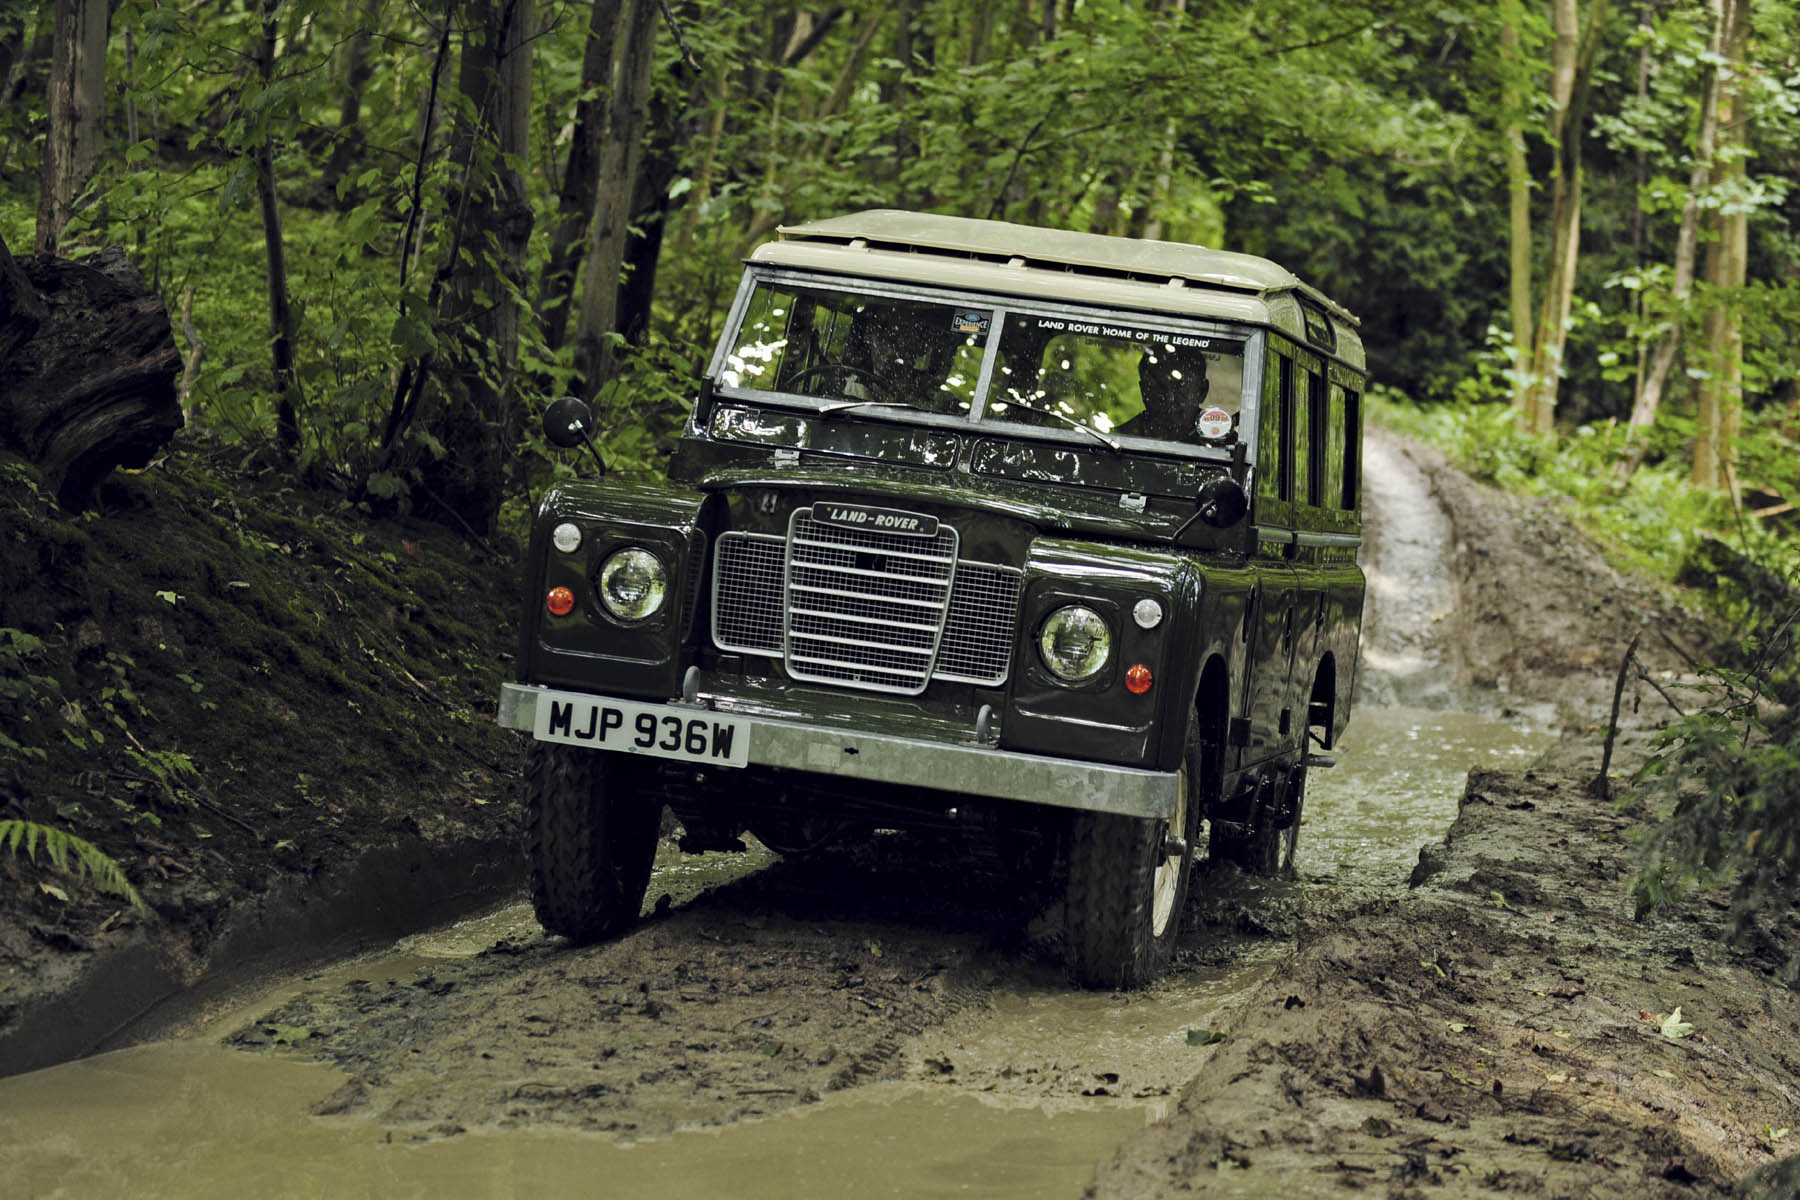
(599, 463)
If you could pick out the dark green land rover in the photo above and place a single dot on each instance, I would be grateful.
(1045, 536)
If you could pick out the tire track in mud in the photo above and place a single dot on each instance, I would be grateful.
(757, 997)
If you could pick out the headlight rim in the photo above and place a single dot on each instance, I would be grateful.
(1047, 660)
(660, 590)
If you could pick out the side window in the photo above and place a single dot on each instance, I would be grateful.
(1307, 440)
(1352, 450)
(1275, 435)
(1335, 435)
(1319, 421)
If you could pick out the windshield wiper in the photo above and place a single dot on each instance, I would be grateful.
(1071, 422)
(846, 405)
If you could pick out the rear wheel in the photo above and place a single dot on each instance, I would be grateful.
(1265, 844)
(1128, 881)
(590, 836)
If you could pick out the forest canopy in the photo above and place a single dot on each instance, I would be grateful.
(388, 232)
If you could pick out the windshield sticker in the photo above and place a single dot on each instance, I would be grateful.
(969, 321)
(1214, 423)
(1159, 336)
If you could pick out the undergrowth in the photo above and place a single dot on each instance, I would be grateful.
(1725, 785)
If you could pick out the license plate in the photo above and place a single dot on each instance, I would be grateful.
(654, 729)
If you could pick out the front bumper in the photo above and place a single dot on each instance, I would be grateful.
(966, 769)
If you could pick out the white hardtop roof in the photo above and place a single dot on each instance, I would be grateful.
(1096, 256)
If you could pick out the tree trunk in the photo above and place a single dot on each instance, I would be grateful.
(87, 369)
(1572, 72)
(281, 311)
(1518, 188)
(479, 313)
(616, 185)
(1165, 154)
(580, 182)
(1722, 391)
(1649, 397)
(77, 102)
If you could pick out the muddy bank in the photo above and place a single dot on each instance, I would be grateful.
(1503, 1025)
(1537, 613)
(272, 713)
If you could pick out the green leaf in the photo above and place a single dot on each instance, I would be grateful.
(1204, 1037)
(1673, 1026)
(412, 335)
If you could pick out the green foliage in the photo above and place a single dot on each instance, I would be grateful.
(1724, 784)
(71, 855)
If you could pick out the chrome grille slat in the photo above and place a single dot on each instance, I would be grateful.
(850, 595)
(911, 613)
(840, 616)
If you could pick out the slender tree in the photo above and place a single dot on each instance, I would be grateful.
(1721, 392)
(1649, 398)
(281, 308)
(581, 177)
(1574, 51)
(77, 102)
(616, 185)
(1518, 197)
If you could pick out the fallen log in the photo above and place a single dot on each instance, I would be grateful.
(88, 369)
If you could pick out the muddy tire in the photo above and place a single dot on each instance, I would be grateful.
(590, 836)
(1127, 886)
(1266, 845)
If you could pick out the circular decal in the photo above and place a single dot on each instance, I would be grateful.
(1214, 423)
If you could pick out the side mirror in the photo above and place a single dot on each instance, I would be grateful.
(1222, 502)
(567, 422)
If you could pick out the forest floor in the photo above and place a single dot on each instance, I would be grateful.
(1501, 1024)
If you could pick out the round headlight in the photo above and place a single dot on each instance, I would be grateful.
(566, 537)
(632, 584)
(1074, 642)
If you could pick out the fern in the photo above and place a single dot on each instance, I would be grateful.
(63, 849)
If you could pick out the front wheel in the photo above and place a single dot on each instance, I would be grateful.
(590, 836)
(1128, 881)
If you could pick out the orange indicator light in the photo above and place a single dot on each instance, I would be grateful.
(1137, 679)
(560, 601)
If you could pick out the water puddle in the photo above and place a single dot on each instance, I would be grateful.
(1399, 778)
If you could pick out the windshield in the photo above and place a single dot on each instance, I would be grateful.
(1116, 377)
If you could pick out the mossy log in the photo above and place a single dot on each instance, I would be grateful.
(88, 368)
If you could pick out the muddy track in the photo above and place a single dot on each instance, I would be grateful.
(1495, 1023)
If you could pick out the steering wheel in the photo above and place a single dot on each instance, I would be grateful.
(842, 371)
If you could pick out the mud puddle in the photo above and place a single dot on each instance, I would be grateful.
(782, 1032)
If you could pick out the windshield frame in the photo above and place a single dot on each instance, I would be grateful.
(1003, 307)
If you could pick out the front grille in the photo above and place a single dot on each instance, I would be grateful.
(866, 609)
(854, 608)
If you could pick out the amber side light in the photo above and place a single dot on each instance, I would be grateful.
(1137, 679)
(560, 601)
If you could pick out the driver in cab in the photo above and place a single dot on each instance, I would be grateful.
(898, 355)
(1173, 386)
